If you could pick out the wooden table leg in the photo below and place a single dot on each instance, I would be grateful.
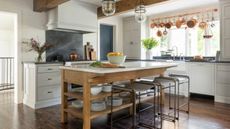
(86, 105)
(64, 101)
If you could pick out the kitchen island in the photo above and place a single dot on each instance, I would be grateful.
(88, 76)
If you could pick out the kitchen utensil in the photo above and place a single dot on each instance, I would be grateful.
(208, 32)
(96, 90)
(165, 32)
(202, 24)
(97, 106)
(77, 103)
(116, 101)
(191, 23)
(73, 56)
(169, 24)
(153, 25)
(107, 88)
(159, 33)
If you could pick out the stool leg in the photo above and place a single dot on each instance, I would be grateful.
(134, 109)
(139, 104)
(188, 95)
(178, 99)
(175, 103)
(170, 96)
(111, 114)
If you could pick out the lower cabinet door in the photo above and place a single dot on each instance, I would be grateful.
(202, 77)
(50, 92)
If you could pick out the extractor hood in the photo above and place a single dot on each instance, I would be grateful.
(73, 16)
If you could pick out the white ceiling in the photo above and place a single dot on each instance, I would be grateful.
(6, 21)
(171, 5)
(175, 5)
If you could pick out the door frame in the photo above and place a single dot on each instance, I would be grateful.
(18, 74)
(99, 43)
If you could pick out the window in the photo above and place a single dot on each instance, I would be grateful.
(188, 41)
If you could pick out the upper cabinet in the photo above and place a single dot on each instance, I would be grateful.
(225, 30)
(73, 15)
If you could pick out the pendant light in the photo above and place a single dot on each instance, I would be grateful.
(140, 12)
(108, 7)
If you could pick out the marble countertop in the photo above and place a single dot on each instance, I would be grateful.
(129, 66)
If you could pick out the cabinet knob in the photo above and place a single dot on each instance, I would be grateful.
(49, 78)
(50, 92)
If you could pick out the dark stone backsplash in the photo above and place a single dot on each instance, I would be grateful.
(63, 44)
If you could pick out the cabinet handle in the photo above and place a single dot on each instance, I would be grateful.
(49, 79)
(50, 92)
(50, 69)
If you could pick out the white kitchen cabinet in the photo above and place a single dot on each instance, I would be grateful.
(222, 92)
(225, 29)
(41, 85)
(202, 76)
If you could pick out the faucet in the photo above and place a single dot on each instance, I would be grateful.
(175, 48)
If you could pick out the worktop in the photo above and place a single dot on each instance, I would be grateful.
(128, 66)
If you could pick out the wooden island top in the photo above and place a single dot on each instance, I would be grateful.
(85, 75)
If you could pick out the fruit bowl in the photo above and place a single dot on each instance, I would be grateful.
(116, 59)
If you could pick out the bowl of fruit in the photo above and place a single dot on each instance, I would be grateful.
(116, 58)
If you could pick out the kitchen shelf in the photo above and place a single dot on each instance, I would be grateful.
(79, 95)
(78, 112)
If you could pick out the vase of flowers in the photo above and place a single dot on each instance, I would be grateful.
(39, 48)
(149, 44)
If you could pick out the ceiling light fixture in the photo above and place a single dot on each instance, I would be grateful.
(140, 12)
(108, 7)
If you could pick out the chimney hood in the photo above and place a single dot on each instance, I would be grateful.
(73, 16)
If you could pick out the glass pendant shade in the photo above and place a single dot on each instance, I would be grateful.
(140, 13)
(108, 7)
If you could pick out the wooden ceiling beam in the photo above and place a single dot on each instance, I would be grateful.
(44, 5)
(127, 5)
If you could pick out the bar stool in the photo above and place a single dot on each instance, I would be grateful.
(143, 88)
(182, 79)
(177, 81)
(119, 89)
(169, 83)
(138, 90)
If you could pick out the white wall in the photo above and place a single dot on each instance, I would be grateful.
(6, 43)
(117, 22)
(30, 24)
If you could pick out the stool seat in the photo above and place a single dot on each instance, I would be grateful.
(139, 87)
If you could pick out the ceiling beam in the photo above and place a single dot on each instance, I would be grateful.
(44, 5)
(127, 5)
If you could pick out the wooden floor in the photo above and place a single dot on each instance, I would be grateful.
(204, 115)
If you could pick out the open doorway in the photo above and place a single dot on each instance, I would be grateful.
(106, 40)
(8, 50)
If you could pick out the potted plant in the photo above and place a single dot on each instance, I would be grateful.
(149, 44)
(39, 48)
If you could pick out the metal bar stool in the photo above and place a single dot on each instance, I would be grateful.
(182, 79)
(170, 83)
(143, 88)
(119, 89)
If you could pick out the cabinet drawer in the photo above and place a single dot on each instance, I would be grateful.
(46, 69)
(223, 67)
(51, 92)
(46, 79)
